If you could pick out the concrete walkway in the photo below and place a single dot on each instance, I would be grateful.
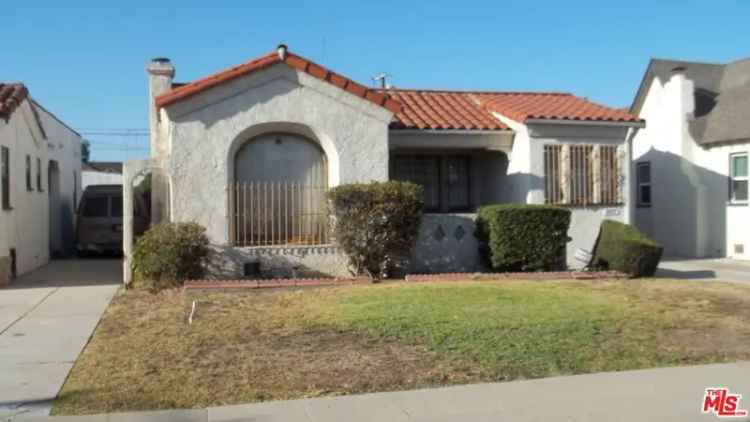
(46, 318)
(667, 394)
(705, 269)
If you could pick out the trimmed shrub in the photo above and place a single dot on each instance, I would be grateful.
(168, 254)
(523, 237)
(376, 225)
(621, 247)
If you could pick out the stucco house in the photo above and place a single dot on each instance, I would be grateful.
(40, 168)
(248, 152)
(691, 162)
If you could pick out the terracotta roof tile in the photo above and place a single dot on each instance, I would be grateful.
(441, 110)
(472, 110)
(300, 63)
(551, 106)
(11, 96)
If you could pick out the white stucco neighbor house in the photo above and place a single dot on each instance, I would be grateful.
(248, 153)
(101, 173)
(691, 162)
(40, 168)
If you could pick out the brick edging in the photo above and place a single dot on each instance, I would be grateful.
(271, 283)
(412, 278)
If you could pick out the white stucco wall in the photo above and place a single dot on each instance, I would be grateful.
(526, 174)
(206, 130)
(689, 214)
(65, 150)
(25, 227)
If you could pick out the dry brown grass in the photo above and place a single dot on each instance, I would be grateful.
(254, 346)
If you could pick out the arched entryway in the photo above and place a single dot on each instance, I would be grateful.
(278, 193)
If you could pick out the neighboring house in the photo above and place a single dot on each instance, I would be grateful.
(249, 152)
(692, 160)
(40, 167)
(101, 173)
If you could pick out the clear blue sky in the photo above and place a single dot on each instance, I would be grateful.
(84, 60)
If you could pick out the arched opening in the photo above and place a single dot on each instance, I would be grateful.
(278, 194)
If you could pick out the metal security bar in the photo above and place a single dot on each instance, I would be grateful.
(553, 174)
(581, 175)
(278, 213)
(609, 171)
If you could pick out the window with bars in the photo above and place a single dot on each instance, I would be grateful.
(581, 175)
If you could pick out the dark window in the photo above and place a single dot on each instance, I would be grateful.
(39, 174)
(29, 186)
(445, 180)
(457, 183)
(116, 211)
(739, 178)
(5, 176)
(643, 181)
(96, 206)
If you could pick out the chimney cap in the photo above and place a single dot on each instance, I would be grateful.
(160, 66)
(281, 49)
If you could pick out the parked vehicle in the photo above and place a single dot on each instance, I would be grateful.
(99, 222)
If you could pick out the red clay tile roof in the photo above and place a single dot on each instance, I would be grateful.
(268, 60)
(472, 110)
(11, 96)
(441, 110)
(551, 106)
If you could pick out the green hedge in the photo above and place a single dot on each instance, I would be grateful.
(522, 237)
(376, 224)
(621, 247)
(168, 254)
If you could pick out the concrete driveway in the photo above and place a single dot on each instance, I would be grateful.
(46, 318)
(705, 269)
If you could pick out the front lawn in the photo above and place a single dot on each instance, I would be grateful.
(254, 346)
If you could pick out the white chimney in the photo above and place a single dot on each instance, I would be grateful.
(160, 73)
(679, 110)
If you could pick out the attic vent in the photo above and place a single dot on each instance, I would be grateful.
(739, 249)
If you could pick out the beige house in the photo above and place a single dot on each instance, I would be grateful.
(250, 151)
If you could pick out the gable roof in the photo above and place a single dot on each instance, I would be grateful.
(11, 96)
(473, 110)
(721, 97)
(300, 63)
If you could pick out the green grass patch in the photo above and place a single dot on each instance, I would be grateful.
(514, 330)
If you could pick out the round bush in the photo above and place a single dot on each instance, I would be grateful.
(621, 247)
(168, 254)
(523, 237)
(376, 224)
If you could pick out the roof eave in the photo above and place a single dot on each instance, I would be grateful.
(607, 123)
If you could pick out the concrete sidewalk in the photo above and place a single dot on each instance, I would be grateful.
(719, 269)
(46, 318)
(667, 394)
